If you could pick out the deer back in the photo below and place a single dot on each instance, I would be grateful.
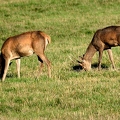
(25, 44)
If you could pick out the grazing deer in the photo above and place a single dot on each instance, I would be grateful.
(23, 45)
(103, 39)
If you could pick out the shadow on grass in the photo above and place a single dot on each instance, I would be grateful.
(103, 66)
(77, 68)
(94, 65)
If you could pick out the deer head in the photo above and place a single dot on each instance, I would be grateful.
(86, 65)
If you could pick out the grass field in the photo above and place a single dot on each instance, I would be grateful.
(71, 94)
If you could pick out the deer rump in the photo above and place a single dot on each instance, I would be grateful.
(23, 45)
(103, 39)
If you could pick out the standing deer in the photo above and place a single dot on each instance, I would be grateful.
(103, 39)
(23, 45)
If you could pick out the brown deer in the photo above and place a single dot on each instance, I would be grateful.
(23, 45)
(103, 39)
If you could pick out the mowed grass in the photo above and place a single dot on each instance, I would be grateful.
(71, 94)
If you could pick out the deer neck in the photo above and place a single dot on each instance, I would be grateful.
(89, 53)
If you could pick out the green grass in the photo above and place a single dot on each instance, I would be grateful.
(69, 94)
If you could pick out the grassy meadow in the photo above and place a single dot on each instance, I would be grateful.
(71, 93)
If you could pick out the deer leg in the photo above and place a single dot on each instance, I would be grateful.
(111, 57)
(7, 62)
(41, 65)
(43, 58)
(18, 67)
(2, 66)
(100, 59)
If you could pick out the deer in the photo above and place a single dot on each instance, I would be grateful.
(22, 45)
(103, 39)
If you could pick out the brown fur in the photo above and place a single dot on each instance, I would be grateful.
(103, 39)
(23, 45)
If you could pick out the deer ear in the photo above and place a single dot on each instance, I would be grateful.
(81, 57)
(80, 63)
